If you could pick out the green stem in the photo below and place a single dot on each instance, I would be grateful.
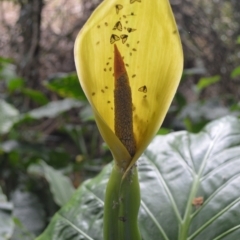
(121, 206)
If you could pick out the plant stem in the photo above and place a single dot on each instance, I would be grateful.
(122, 202)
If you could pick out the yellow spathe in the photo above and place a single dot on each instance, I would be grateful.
(146, 35)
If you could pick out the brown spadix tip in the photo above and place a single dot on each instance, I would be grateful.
(123, 120)
(119, 66)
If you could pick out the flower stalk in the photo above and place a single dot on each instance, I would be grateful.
(122, 198)
(129, 61)
(121, 206)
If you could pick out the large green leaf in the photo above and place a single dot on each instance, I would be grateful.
(190, 187)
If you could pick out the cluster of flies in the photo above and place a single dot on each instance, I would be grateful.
(114, 37)
(118, 26)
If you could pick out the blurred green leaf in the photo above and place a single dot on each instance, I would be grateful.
(206, 82)
(8, 146)
(6, 221)
(194, 127)
(15, 84)
(35, 95)
(180, 99)
(54, 109)
(196, 115)
(66, 85)
(238, 40)
(194, 71)
(163, 131)
(86, 114)
(8, 116)
(60, 186)
(189, 186)
(29, 215)
(8, 71)
(5, 60)
(21, 232)
(235, 72)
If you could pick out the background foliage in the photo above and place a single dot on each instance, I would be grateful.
(49, 143)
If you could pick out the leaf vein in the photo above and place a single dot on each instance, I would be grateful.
(154, 220)
(213, 218)
(162, 180)
(75, 227)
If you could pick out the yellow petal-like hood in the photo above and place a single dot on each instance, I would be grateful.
(146, 35)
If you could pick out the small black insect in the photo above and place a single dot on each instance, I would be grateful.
(131, 30)
(143, 89)
(123, 219)
(114, 38)
(118, 8)
(118, 26)
(124, 38)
